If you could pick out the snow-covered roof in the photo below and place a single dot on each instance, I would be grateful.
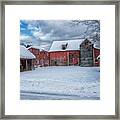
(25, 53)
(96, 46)
(71, 45)
(41, 48)
(36, 47)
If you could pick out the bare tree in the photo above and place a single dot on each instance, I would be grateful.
(92, 29)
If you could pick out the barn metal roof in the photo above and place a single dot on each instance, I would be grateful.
(71, 45)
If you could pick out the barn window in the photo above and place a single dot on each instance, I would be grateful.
(64, 46)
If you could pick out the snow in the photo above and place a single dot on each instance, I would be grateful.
(25, 53)
(96, 46)
(60, 83)
(40, 47)
(98, 57)
(72, 45)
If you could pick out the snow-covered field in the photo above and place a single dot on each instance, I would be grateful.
(60, 83)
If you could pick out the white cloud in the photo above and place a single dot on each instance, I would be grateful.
(43, 36)
(25, 37)
(47, 36)
(37, 34)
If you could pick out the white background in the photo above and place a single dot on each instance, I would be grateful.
(104, 106)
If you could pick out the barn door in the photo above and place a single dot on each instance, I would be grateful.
(73, 59)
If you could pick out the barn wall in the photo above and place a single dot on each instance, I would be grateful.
(43, 58)
(36, 53)
(74, 58)
(58, 58)
(64, 58)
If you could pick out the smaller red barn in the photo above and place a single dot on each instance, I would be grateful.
(42, 56)
(66, 52)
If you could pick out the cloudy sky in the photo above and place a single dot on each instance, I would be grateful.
(43, 32)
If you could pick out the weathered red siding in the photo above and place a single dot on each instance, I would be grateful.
(36, 53)
(64, 58)
(43, 58)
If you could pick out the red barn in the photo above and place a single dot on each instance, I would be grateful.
(68, 53)
(65, 52)
(42, 56)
